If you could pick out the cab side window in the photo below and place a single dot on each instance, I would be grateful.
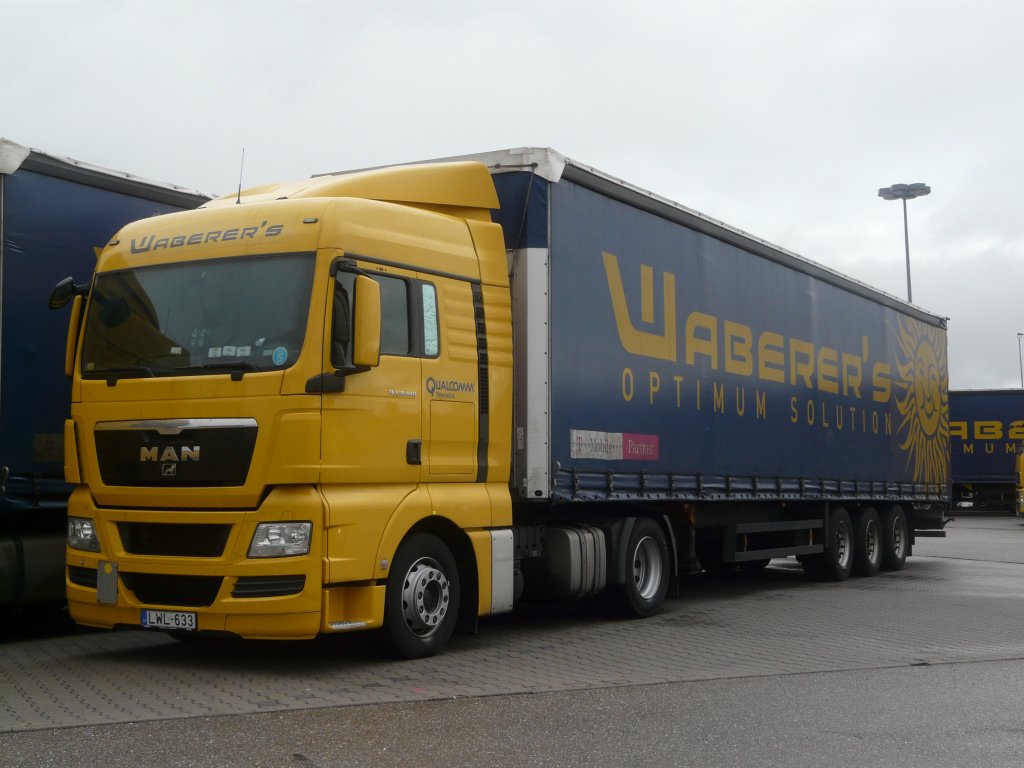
(396, 334)
(394, 321)
(341, 321)
(431, 342)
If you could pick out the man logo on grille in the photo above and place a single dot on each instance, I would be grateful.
(170, 454)
(169, 470)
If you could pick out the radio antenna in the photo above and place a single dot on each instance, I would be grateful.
(241, 168)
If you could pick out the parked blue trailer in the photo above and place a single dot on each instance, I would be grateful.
(54, 214)
(986, 431)
(665, 358)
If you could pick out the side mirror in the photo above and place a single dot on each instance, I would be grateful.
(63, 292)
(366, 344)
(354, 332)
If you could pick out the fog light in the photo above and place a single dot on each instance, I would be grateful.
(82, 534)
(281, 540)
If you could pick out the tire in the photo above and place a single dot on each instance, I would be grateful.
(836, 562)
(421, 605)
(646, 568)
(895, 539)
(867, 542)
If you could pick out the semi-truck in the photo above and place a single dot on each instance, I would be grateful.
(986, 432)
(403, 398)
(55, 213)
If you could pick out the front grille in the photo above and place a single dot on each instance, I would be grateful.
(173, 540)
(83, 577)
(268, 586)
(187, 591)
(177, 453)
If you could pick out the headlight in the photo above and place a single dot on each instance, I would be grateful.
(281, 539)
(82, 534)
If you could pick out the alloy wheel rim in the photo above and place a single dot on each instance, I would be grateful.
(426, 596)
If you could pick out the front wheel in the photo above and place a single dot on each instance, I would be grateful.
(421, 605)
(647, 569)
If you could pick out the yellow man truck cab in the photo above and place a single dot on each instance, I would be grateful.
(402, 398)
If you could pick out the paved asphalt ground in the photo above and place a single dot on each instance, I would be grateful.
(921, 667)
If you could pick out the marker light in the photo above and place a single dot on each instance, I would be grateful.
(82, 534)
(281, 540)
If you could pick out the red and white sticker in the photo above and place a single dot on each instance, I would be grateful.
(612, 446)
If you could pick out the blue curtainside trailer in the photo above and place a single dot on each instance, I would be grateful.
(986, 428)
(667, 360)
(688, 359)
(55, 213)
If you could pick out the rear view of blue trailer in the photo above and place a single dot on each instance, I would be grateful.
(754, 403)
(54, 215)
(986, 430)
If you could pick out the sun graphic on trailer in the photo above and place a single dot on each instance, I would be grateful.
(923, 400)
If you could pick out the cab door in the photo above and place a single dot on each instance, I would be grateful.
(372, 431)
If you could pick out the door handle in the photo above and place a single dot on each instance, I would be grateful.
(414, 452)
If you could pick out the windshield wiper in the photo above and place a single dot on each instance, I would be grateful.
(128, 372)
(237, 368)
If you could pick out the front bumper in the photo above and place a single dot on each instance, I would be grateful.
(197, 561)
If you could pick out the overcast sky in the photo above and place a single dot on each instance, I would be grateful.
(780, 117)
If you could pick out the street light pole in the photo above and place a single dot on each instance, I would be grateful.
(906, 246)
(906, 192)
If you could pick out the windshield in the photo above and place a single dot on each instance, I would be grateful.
(244, 314)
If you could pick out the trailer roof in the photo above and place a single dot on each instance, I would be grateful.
(15, 157)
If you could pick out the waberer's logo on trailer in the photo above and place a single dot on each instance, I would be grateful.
(986, 437)
(924, 400)
(832, 387)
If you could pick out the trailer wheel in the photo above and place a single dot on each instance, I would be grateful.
(647, 569)
(895, 539)
(836, 562)
(867, 542)
(421, 604)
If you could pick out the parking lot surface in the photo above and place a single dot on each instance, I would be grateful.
(951, 604)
